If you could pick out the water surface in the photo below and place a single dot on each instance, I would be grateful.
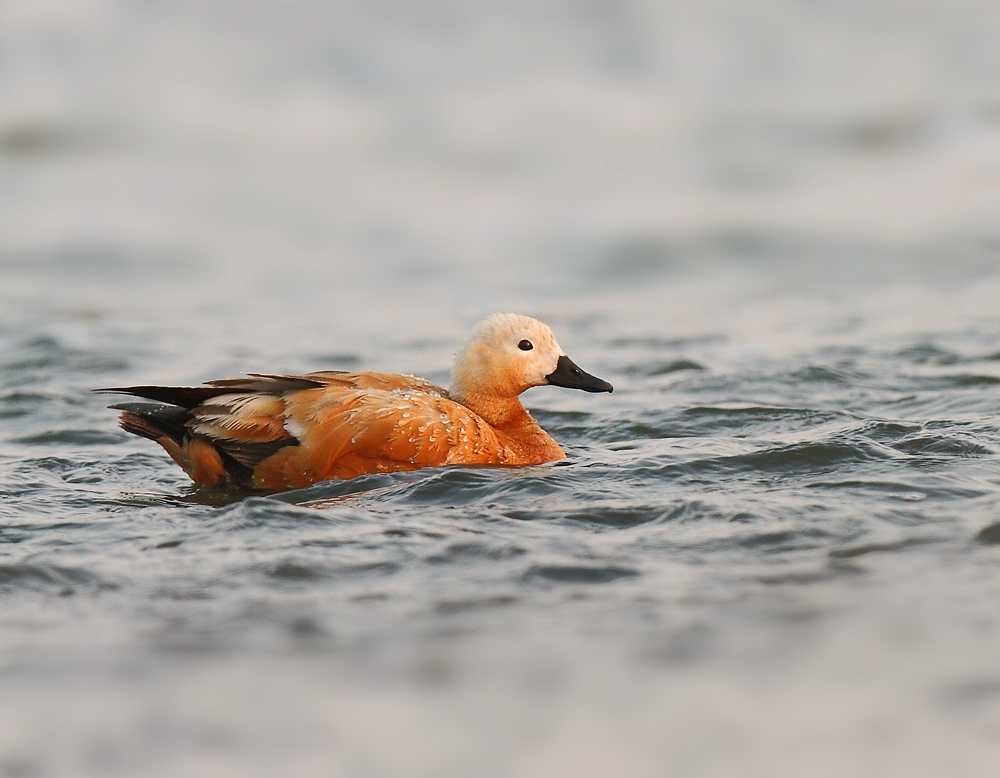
(772, 551)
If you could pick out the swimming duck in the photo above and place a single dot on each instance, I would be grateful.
(272, 432)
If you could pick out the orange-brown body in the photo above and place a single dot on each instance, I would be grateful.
(282, 432)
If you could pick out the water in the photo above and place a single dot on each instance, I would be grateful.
(773, 551)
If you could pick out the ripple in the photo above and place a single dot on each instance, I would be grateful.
(943, 445)
(334, 493)
(306, 571)
(610, 516)
(40, 576)
(454, 486)
(779, 540)
(715, 417)
(473, 604)
(902, 491)
(660, 343)
(18, 404)
(826, 375)
(707, 421)
(929, 353)
(255, 512)
(298, 571)
(807, 456)
(662, 368)
(989, 535)
(804, 577)
(959, 381)
(71, 437)
(794, 459)
(580, 574)
(885, 431)
(466, 551)
(863, 549)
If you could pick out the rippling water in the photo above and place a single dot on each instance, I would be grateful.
(772, 551)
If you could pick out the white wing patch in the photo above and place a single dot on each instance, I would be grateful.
(293, 428)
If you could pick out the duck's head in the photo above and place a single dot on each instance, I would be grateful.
(508, 353)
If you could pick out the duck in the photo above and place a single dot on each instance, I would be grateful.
(276, 432)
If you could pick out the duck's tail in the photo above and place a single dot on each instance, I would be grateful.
(153, 421)
(168, 415)
(167, 424)
(183, 421)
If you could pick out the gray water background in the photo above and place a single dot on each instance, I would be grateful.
(773, 551)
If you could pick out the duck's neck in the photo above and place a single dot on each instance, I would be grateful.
(528, 442)
(501, 412)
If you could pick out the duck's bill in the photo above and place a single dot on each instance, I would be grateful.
(569, 375)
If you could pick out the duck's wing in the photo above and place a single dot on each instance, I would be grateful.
(345, 432)
(378, 412)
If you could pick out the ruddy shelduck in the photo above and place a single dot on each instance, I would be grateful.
(273, 432)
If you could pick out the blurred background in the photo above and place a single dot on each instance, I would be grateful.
(774, 225)
(272, 144)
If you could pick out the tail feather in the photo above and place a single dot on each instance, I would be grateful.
(192, 396)
(207, 458)
(182, 396)
(153, 421)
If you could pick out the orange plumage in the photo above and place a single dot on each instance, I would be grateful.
(281, 432)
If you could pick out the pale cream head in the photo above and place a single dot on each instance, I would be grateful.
(506, 354)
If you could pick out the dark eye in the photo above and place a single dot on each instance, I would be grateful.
(525, 345)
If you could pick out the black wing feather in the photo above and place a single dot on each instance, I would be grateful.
(192, 396)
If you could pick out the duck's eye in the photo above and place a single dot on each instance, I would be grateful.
(525, 345)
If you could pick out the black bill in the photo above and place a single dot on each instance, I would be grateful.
(569, 375)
